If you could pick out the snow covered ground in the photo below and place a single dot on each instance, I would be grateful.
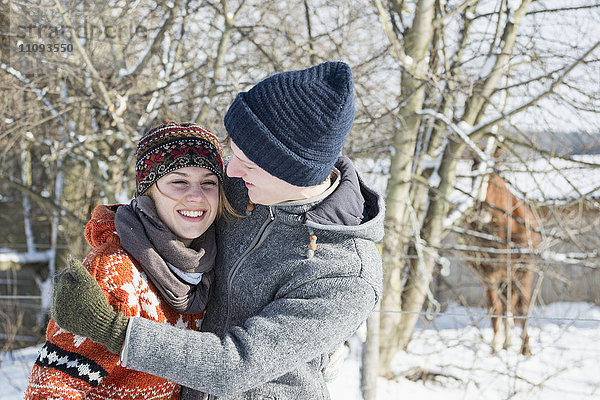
(565, 339)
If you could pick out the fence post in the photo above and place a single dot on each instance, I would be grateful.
(370, 358)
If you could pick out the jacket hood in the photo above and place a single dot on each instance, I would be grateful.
(101, 227)
(353, 208)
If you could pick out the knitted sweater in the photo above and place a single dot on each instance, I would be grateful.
(277, 311)
(72, 367)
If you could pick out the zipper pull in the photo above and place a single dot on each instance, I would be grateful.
(272, 213)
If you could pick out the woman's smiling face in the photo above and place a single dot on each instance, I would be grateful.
(187, 201)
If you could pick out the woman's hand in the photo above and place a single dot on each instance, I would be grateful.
(80, 307)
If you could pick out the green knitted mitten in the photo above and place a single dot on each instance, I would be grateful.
(79, 306)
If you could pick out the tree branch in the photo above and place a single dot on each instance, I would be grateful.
(41, 199)
(487, 125)
(89, 65)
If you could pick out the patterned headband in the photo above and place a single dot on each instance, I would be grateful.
(172, 146)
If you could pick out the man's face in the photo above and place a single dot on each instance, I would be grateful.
(263, 188)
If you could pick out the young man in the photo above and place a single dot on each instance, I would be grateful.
(293, 279)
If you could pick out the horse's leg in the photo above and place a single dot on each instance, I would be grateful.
(525, 284)
(513, 300)
(509, 325)
(495, 307)
(509, 321)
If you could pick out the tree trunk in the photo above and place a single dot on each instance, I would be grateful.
(218, 63)
(27, 180)
(421, 269)
(395, 243)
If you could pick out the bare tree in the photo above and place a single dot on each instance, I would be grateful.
(467, 71)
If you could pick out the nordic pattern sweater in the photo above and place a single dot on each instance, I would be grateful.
(71, 367)
(276, 312)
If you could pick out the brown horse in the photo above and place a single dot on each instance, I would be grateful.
(507, 275)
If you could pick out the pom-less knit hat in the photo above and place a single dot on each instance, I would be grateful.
(172, 146)
(294, 124)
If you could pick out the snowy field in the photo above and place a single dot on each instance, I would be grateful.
(565, 340)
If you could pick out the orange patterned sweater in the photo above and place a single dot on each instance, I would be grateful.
(72, 367)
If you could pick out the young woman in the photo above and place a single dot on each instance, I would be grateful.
(153, 258)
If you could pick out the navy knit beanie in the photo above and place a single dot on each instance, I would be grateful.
(294, 124)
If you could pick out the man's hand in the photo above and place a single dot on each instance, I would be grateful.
(80, 307)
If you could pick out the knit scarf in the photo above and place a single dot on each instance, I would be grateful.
(165, 258)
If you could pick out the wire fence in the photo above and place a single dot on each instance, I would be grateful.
(485, 315)
(425, 314)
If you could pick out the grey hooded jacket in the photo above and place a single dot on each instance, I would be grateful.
(276, 312)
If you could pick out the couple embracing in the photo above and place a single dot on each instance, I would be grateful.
(233, 280)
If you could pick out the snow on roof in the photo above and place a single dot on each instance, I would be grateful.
(552, 181)
(556, 179)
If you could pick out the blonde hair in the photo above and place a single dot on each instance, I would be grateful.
(225, 208)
